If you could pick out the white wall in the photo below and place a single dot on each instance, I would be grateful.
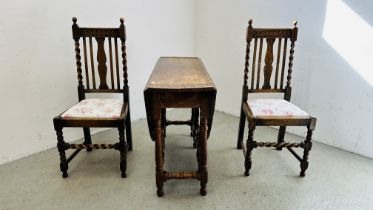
(37, 62)
(325, 83)
(38, 78)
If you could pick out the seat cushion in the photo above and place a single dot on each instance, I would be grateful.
(95, 108)
(275, 108)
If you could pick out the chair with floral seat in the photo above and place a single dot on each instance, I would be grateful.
(98, 112)
(271, 112)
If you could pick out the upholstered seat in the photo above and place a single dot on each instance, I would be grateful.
(275, 108)
(95, 108)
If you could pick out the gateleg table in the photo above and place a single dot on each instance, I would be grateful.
(180, 82)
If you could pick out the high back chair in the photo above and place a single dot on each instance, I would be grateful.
(98, 112)
(271, 79)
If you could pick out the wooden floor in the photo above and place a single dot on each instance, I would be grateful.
(335, 179)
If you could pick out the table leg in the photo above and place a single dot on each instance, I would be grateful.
(202, 153)
(158, 150)
(195, 126)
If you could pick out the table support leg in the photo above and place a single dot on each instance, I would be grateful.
(159, 146)
(202, 147)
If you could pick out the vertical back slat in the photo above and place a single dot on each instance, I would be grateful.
(86, 62)
(268, 60)
(259, 63)
(92, 63)
(283, 63)
(278, 60)
(116, 62)
(101, 63)
(253, 68)
(111, 64)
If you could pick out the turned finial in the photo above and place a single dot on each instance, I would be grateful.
(250, 22)
(74, 20)
(121, 20)
(295, 23)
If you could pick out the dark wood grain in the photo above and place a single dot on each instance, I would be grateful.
(180, 82)
(179, 73)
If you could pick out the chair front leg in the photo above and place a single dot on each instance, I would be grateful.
(307, 148)
(87, 137)
(249, 147)
(241, 129)
(123, 152)
(62, 147)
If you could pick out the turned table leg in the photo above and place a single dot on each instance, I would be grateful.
(203, 156)
(158, 148)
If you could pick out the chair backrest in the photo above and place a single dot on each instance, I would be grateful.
(262, 80)
(106, 41)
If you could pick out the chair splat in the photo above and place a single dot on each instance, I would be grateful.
(101, 59)
(268, 60)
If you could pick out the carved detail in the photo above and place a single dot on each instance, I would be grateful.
(98, 32)
(247, 56)
(307, 149)
(122, 32)
(78, 63)
(249, 148)
(123, 152)
(276, 144)
(272, 33)
(268, 60)
(101, 59)
(94, 146)
(100, 35)
(62, 146)
(124, 62)
(290, 70)
(75, 29)
(291, 56)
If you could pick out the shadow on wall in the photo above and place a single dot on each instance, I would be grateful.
(325, 83)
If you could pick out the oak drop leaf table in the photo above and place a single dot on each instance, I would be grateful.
(180, 82)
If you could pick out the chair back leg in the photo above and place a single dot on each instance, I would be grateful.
(241, 129)
(129, 130)
(87, 137)
(281, 136)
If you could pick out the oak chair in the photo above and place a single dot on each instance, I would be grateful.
(98, 112)
(271, 112)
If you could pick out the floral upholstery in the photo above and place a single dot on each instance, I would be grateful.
(275, 108)
(95, 108)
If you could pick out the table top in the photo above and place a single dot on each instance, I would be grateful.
(179, 73)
